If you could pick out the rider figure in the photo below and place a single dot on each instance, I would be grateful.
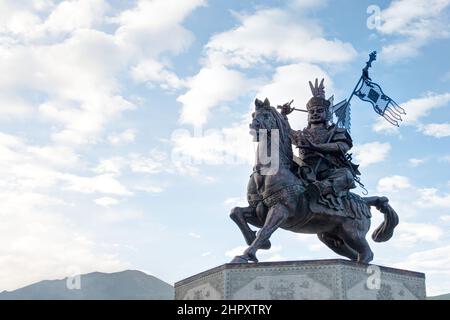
(322, 151)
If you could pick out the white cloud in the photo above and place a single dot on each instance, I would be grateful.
(123, 137)
(398, 50)
(236, 202)
(54, 155)
(15, 149)
(409, 234)
(151, 163)
(23, 19)
(429, 198)
(29, 167)
(275, 34)
(393, 184)
(416, 22)
(414, 162)
(18, 17)
(307, 4)
(437, 130)
(154, 162)
(152, 27)
(111, 216)
(150, 188)
(194, 235)
(42, 5)
(370, 153)
(211, 86)
(408, 17)
(106, 201)
(69, 16)
(420, 107)
(113, 165)
(152, 71)
(103, 183)
(184, 168)
(13, 107)
(134, 169)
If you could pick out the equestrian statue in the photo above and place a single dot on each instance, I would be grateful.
(311, 192)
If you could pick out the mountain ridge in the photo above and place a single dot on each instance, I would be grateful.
(121, 285)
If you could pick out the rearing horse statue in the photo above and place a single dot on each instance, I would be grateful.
(277, 199)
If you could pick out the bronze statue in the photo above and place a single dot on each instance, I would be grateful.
(323, 159)
(309, 193)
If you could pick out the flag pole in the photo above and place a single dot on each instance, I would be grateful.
(365, 75)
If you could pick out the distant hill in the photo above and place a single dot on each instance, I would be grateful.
(440, 297)
(129, 284)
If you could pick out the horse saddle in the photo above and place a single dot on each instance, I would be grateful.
(346, 204)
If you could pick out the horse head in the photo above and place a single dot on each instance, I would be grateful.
(265, 120)
(262, 119)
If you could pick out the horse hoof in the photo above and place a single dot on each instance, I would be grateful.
(239, 259)
(251, 257)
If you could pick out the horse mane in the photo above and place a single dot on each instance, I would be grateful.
(283, 127)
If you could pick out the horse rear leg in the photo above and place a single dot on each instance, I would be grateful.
(275, 217)
(337, 245)
(353, 232)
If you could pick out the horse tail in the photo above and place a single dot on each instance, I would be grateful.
(386, 229)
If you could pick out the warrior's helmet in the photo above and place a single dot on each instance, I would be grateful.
(318, 99)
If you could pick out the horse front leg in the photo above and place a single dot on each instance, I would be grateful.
(240, 216)
(243, 216)
(275, 217)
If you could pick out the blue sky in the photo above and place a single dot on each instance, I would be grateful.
(124, 140)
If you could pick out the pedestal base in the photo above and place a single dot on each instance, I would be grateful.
(303, 280)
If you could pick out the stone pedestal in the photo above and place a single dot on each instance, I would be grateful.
(334, 279)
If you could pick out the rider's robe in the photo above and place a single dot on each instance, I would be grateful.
(334, 171)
